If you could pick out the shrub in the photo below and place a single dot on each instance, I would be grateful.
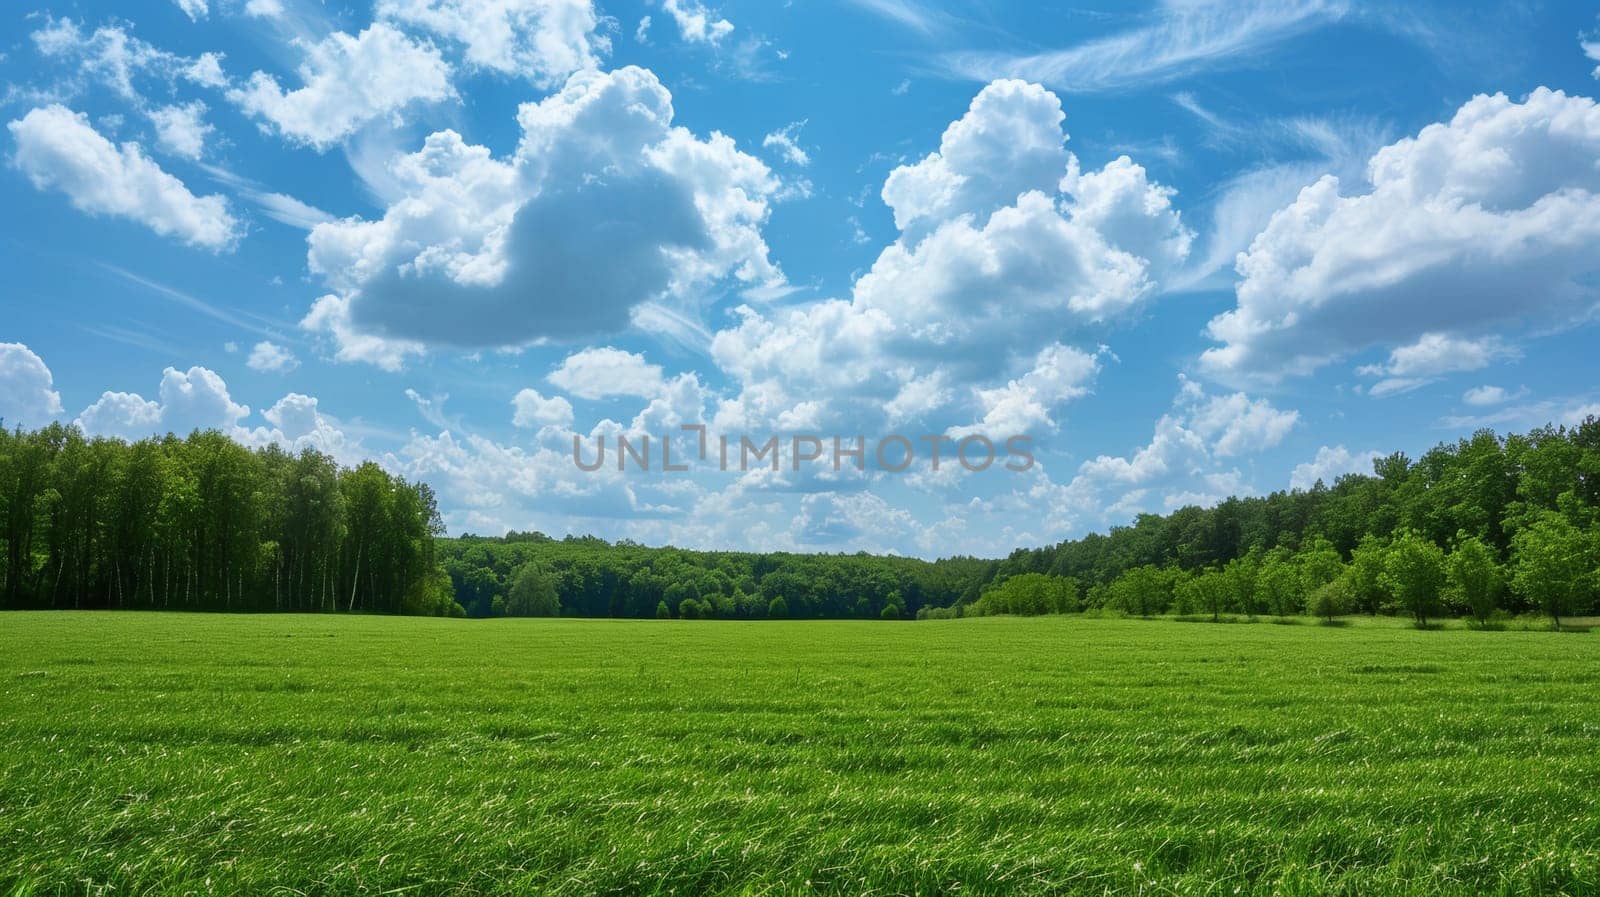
(1332, 599)
(1029, 594)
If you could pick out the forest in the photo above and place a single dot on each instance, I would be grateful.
(204, 523)
(1479, 528)
(1484, 526)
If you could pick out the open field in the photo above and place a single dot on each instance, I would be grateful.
(148, 753)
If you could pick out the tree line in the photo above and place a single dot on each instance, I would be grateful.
(204, 523)
(1481, 526)
(1478, 527)
(531, 573)
(1553, 568)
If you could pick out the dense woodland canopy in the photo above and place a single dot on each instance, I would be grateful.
(1485, 523)
(204, 523)
(1454, 532)
(1484, 526)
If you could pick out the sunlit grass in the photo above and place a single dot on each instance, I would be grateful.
(144, 753)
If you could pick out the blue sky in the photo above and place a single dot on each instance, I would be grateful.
(1190, 249)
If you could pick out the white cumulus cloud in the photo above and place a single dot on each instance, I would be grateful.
(1236, 424)
(58, 149)
(532, 410)
(196, 399)
(263, 9)
(297, 424)
(785, 141)
(330, 314)
(347, 82)
(111, 55)
(1432, 356)
(206, 70)
(696, 23)
(541, 40)
(1486, 396)
(1026, 404)
(1007, 249)
(269, 357)
(605, 372)
(1188, 461)
(182, 129)
(1009, 142)
(1329, 464)
(194, 9)
(1480, 226)
(605, 207)
(27, 389)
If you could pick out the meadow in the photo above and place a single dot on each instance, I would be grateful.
(145, 753)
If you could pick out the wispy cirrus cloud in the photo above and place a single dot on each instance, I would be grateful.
(1294, 152)
(1183, 36)
(912, 14)
(247, 321)
(280, 207)
(1564, 411)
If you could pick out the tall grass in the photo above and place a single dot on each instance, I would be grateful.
(145, 753)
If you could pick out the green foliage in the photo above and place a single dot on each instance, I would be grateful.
(533, 593)
(1319, 563)
(1242, 574)
(1475, 577)
(1413, 572)
(1279, 584)
(778, 608)
(1483, 485)
(1213, 592)
(1367, 591)
(432, 596)
(1269, 555)
(1332, 599)
(595, 578)
(1028, 594)
(1143, 591)
(662, 611)
(203, 523)
(1555, 564)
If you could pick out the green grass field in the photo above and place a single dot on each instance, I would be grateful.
(146, 753)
